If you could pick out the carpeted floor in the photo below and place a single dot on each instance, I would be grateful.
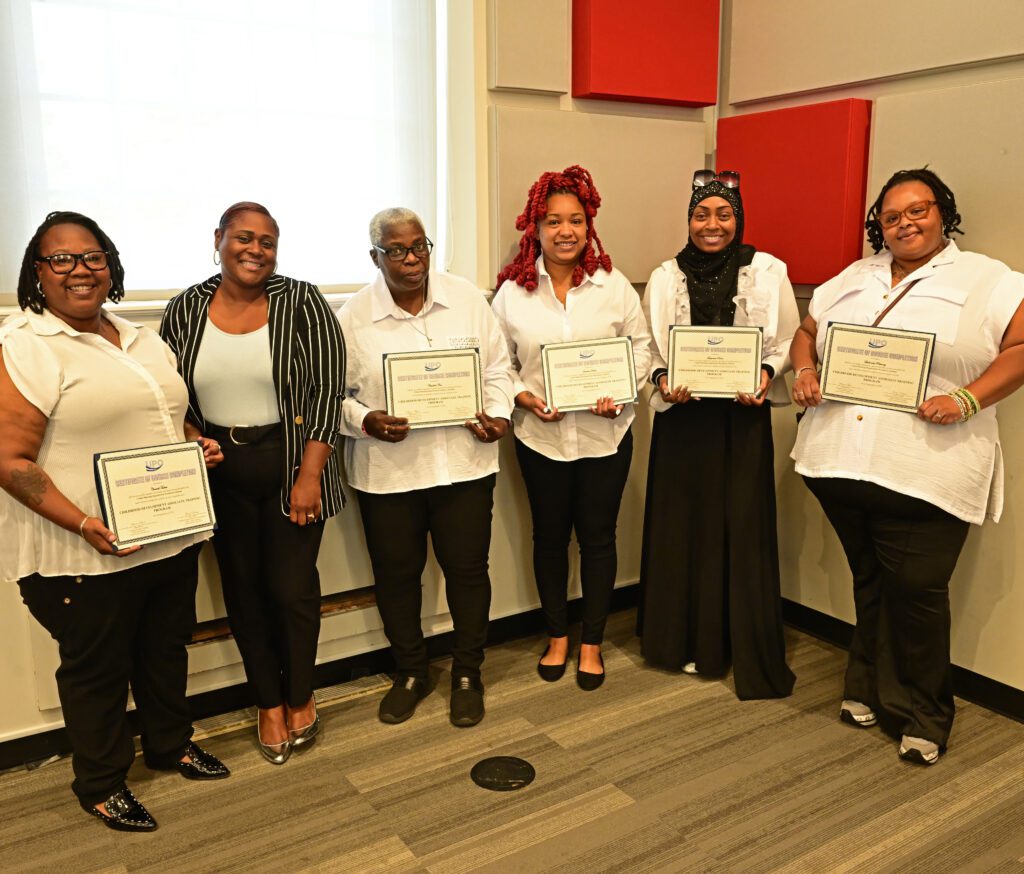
(653, 772)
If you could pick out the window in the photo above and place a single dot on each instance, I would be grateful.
(152, 116)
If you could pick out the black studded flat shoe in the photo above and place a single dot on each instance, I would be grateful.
(204, 765)
(125, 813)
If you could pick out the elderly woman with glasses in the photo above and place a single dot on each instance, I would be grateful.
(413, 481)
(710, 566)
(76, 380)
(900, 489)
(264, 361)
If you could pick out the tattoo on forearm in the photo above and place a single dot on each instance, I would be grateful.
(29, 485)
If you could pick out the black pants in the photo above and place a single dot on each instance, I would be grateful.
(267, 571)
(902, 552)
(115, 630)
(584, 494)
(458, 519)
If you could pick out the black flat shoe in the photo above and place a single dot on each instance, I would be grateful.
(401, 699)
(125, 813)
(550, 673)
(587, 681)
(204, 765)
(467, 705)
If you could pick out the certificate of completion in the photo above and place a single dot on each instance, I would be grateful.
(577, 373)
(876, 367)
(714, 361)
(435, 388)
(154, 493)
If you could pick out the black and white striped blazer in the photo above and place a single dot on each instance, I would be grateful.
(308, 356)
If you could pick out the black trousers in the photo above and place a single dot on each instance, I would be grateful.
(117, 630)
(902, 552)
(458, 519)
(584, 494)
(267, 571)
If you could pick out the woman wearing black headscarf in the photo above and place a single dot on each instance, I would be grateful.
(710, 568)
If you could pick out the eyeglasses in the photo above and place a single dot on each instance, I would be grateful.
(728, 178)
(420, 249)
(917, 210)
(65, 262)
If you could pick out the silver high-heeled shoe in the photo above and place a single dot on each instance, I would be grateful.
(276, 754)
(301, 736)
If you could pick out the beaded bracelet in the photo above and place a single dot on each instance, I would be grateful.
(967, 402)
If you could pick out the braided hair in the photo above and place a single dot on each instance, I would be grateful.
(944, 199)
(573, 180)
(30, 294)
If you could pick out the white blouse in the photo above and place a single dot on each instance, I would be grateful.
(764, 298)
(967, 301)
(454, 316)
(604, 305)
(96, 398)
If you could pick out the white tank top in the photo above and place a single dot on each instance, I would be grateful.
(234, 377)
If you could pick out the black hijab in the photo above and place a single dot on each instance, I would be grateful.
(711, 276)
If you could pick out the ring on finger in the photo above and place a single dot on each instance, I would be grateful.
(937, 417)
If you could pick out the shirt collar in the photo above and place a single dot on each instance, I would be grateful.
(383, 304)
(882, 261)
(47, 324)
(597, 279)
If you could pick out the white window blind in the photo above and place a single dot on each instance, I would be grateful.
(152, 116)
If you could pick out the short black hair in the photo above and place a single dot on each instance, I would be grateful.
(236, 209)
(30, 296)
(943, 198)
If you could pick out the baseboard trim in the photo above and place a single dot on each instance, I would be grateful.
(39, 747)
(973, 687)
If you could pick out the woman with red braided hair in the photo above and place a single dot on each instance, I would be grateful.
(574, 464)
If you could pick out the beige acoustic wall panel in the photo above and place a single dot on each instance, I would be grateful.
(643, 168)
(528, 45)
(782, 47)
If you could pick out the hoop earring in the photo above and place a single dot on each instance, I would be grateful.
(216, 257)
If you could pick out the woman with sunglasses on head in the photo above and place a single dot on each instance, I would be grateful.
(710, 566)
(76, 380)
(574, 464)
(264, 361)
(901, 490)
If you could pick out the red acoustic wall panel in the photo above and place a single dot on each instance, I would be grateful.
(803, 173)
(646, 51)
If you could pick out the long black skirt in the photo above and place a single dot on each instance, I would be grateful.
(709, 573)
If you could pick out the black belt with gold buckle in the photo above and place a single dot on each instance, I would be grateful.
(242, 435)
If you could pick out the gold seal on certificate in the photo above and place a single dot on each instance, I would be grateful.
(876, 367)
(714, 361)
(435, 388)
(154, 493)
(579, 372)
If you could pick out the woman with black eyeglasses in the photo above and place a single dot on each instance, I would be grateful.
(413, 482)
(900, 489)
(75, 380)
(710, 566)
(264, 361)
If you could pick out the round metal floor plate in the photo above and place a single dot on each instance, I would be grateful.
(503, 773)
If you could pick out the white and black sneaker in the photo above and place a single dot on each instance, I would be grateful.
(857, 714)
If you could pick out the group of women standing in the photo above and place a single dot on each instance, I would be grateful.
(254, 365)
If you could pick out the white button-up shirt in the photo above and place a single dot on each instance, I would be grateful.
(454, 316)
(967, 301)
(604, 305)
(96, 397)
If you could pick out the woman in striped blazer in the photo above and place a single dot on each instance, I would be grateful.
(264, 361)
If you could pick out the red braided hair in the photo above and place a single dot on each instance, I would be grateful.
(573, 180)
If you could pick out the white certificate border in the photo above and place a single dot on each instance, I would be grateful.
(925, 337)
(472, 353)
(716, 329)
(100, 459)
(569, 344)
